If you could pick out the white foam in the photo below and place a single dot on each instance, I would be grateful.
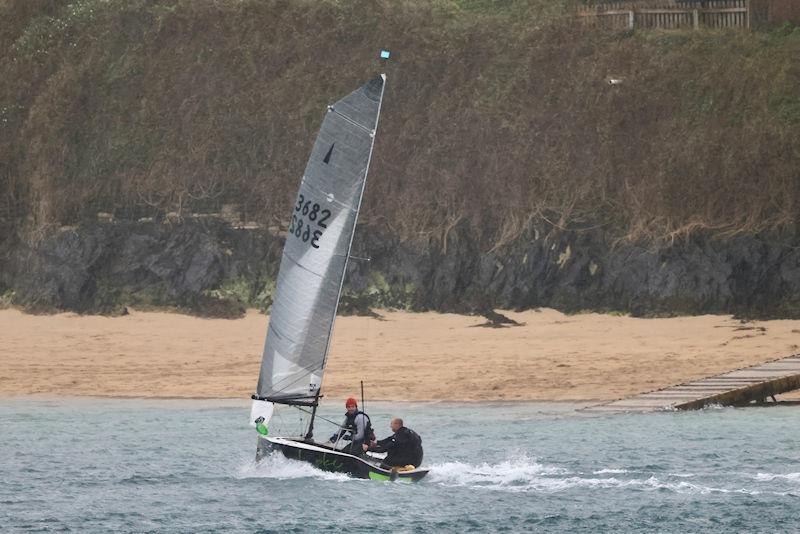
(521, 474)
(508, 473)
(680, 487)
(279, 467)
(524, 474)
(517, 475)
(694, 489)
(768, 477)
(717, 406)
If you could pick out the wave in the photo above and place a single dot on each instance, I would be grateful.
(654, 483)
(717, 406)
(768, 477)
(519, 472)
(516, 475)
(279, 467)
(522, 474)
(527, 475)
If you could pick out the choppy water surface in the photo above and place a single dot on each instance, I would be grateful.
(186, 466)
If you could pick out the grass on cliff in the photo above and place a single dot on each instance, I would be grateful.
(498, 115)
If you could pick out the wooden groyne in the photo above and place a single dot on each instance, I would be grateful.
(669, 14)
(741, 387)
(685, 14)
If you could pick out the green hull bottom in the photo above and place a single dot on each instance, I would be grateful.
(394, 477)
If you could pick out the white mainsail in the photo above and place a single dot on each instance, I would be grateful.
(317, 247)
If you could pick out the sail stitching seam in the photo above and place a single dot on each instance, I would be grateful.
(326, 194)
(351, 121)
(309, 368)
(302, 266)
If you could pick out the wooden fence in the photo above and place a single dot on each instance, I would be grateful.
(669, 14)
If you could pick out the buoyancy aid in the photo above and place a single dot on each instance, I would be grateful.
(350, 424)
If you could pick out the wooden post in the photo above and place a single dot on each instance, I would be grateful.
(748, 15)
(631, 20)
(696, 19)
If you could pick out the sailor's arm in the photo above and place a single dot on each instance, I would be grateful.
(383, 445)
(338, 434)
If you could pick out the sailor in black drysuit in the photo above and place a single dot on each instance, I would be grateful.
(356, 427)
(403, 448)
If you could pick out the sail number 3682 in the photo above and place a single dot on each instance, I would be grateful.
(312, 230)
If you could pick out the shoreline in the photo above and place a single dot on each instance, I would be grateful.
(401, 357)
(246, 402)
(49, 397)
(787, 400)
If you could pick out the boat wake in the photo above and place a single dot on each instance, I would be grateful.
(279, 467)
(527, 475)
(769, 477)
(524, 474)
(519, 474)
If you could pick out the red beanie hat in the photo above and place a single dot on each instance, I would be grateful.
(350, 402)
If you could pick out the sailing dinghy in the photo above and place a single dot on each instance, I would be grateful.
(310, 281)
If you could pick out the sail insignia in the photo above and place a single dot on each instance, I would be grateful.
(327, 158)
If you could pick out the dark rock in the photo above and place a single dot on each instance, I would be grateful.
(101, 267)
(497, 320)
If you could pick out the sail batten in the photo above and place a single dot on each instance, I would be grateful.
(351, 121)
(301, 266)
(317, 248)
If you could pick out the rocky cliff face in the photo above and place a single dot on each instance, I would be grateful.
(210, 268)
(102, 267)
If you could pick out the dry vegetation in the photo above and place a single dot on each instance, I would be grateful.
(498, 115)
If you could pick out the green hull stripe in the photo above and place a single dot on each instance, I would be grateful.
(381, 476)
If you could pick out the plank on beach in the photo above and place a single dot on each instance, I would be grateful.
(738, 387)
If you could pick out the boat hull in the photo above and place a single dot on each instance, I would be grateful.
(326, 458)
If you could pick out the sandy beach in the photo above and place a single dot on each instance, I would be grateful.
(403, 356)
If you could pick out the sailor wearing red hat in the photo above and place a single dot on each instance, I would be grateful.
(356, 428)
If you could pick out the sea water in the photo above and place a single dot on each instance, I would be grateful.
(104, 465)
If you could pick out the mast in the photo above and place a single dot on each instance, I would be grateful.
(310, 432)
